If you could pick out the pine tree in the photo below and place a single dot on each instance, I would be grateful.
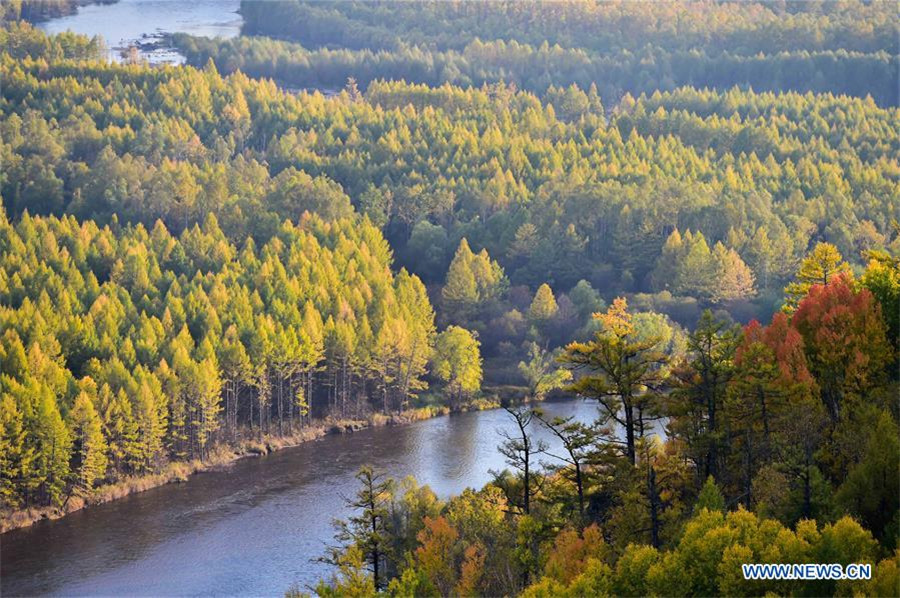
(710, 497)
(367, 529)
(696, 405)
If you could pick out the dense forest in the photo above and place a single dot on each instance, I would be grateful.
(622, 47)
(792, 425)
(685, 213)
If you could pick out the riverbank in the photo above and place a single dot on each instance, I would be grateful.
(222, 456)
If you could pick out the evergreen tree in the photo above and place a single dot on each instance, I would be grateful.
(366, 531)
(710, 497)
(696, 406)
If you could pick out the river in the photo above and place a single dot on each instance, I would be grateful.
(136, 22)
(255, 527)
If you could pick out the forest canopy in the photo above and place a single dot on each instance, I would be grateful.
(622, 47)
(361, 212)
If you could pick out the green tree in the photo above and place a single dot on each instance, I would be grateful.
(541, 372)
(710, 497)
(16, 456)
(54, 443)
(365, 533)
(519, 449)
(869, 491)
(90, 446)
(460, 289)
(621, 372)
(882, 279)
(579, 452)
(696, 406)
(457, 361)
(208, 388)
(351, 580)
(543, 307)
(473, 281)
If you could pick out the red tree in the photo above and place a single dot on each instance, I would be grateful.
(844, 339)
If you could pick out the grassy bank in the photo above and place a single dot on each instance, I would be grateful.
(220, 456)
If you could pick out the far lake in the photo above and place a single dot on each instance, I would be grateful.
(136, 22)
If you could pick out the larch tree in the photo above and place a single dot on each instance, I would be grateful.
(820, 266)
(619, 371)
(90, 445)
(734, 280)
(543, 307)
(845, 340)
(696, 404)
(208, 389)
(16, 456)
(457, 361)
(54, 442)
(882, 279)
(460, 290)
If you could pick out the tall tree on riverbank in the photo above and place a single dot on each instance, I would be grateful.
(696, 406)
(90, 445)
(520, 449)
(366, 530)
(457, 361)
(619, 371)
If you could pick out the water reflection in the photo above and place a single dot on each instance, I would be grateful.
(250, 529)
(144, 23)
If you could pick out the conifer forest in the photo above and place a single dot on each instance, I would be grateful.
(677, 218)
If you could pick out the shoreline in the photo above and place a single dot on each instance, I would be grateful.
(221, 456)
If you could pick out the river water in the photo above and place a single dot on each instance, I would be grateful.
(253, 528)
(133, 22)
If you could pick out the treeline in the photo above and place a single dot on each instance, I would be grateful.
(39, 10)
(623, 47)
(125, 348)
(747, 28)
(555, 190)
(771, 443)
(35, 11)
(537, 68)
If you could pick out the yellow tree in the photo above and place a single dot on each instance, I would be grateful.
(90, 445)
(620, 371)
(819, 267)
(457, 361)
